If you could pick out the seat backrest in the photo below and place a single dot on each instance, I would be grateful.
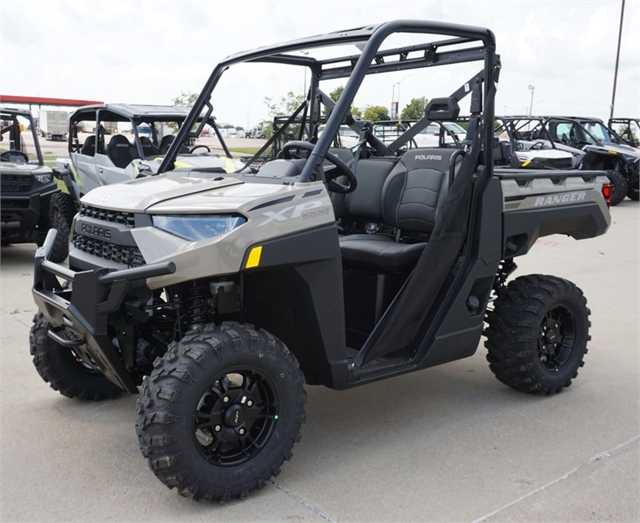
(147, 147)
(165, 143)
(415, 190)
(365, 203)
(120, 151)
(89, 146)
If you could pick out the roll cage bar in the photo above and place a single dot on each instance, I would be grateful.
(15, 134)
(627, 134)
(93, 113)
(371, 60)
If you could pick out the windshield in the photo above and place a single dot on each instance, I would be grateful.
(18, 139)
(599, 131)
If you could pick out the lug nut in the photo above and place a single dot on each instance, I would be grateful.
(217, 428)
(226, 399)
(241, 432)
(556, 325)
(249, 403)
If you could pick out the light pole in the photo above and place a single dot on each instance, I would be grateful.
(304, 90)
(532, 88)
(393, 90)
(615, 74)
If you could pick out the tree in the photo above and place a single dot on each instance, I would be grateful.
(374, 113)
(286, 106)
(414, 110)
(185, 99)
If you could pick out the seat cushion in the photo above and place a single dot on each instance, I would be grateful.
(380, 252)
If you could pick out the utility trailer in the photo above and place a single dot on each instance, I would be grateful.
(54, 125)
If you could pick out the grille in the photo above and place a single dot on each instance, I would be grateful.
(123, 218)
(557, 163)
(130, 256)
(12, 183)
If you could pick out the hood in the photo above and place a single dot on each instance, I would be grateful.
(630, 153)
(23, 168)
(140, 194)
(176, 193)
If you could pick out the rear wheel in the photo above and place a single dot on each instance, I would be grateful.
(221, 412)
(62, 210)
(537, 335)
(619, 187)
(64, 370)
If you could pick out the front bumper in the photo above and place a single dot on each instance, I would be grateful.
(80, 318)
(25, 217)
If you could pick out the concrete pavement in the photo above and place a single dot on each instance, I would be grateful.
(446, 444)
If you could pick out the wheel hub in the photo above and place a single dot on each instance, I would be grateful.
(556, 338)
(234, 416)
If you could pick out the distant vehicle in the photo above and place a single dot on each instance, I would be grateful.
(100, 161)
(54, 125)
(628, 129)
(430, 137)
(30, 199)
(260, 135)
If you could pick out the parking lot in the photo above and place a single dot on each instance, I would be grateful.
(446, 444)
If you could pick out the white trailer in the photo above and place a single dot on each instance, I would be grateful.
(54, 125)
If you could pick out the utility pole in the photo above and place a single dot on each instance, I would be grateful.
(615, 74)
(532, 88)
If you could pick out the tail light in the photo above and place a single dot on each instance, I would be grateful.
(606, 192)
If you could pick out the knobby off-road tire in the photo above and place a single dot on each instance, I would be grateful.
(619, 187)
(221, 411)
(538, 333)
(59, 366)
(61, 212)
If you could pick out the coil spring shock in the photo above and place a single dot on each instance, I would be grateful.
(196, 309)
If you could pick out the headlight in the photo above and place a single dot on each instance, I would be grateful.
(43, 178)
(196, 228)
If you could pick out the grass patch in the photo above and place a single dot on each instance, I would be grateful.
(244, 150)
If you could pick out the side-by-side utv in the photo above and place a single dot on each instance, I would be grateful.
(30, 202)
(603, 149)
(222, 294)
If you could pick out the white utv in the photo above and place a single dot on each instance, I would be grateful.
(222, 296)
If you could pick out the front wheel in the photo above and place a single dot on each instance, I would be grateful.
(619, 187)
(64, 370)
(538, 333)
(221, 412)
(62, 210)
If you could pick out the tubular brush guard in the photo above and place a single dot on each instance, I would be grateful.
(83, 312)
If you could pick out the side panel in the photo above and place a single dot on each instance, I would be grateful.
(296, 294)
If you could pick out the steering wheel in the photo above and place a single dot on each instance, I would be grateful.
(341, 168)
(198, 147)
(538, 145)
(6, 156)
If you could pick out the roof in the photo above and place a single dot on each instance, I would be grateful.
(142, 111)
(40, 100)
(17, 112)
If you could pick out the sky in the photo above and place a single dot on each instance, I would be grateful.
(151, 51)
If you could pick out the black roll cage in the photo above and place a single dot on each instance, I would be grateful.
(15, 133)
(93, 113)
(579, 123)
(626, 135)
(372, 60)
